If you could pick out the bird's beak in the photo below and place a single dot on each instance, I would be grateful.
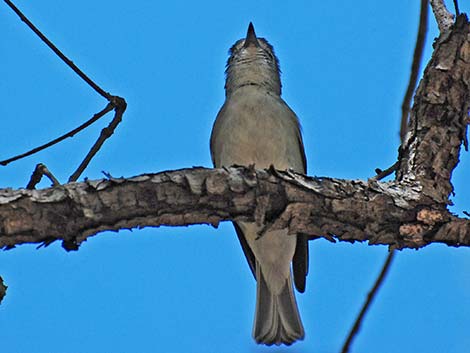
(251, 38)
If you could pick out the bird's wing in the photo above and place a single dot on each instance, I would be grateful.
(250, 257)
(300, 260)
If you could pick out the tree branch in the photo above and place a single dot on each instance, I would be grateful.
(415, 66)
(444, 18)
(405, 111)
(120, 106)
(439, 117)
(71, 133)
(382, 213)
(56, 50)
(116, 103)
(370, 297)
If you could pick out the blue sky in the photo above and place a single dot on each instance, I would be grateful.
(345, 68)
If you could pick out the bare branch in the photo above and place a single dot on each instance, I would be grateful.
(415, 66)
(405, 110)
(438, 119)
(381, 213)
(71, 133)
(37, 175)
(370, 297)
(120, 106)
(384, 173)
(51, 45)
(115, 102)
(456, 7)
(444, 18)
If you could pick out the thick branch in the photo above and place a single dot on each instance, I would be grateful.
(382, 213)
(439, 117)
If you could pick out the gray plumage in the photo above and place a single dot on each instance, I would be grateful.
(255, 126)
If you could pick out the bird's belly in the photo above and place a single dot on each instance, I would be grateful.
(258, 134)
(257, 145)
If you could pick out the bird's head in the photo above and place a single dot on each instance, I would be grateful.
(252, 62)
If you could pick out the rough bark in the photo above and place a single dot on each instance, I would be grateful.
(382, 213)
(408, 212)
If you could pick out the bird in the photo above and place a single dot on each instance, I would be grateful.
(256, 127)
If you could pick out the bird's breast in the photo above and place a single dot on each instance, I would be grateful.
(254, 127)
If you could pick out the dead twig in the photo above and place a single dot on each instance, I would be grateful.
(71, 133)
(405, 109)
(384, 173)
(116, 103)
(120, 106)
(456, 7)
(415, 66)
(69, 62)
(37, 175)
(368, 302)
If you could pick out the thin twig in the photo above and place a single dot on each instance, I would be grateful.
(116, 103)
(415, 66)
(456, 6)
(383, 173)
(95, 117)
(405, 110)
(74, 67)
(37, 175)
(120, 106)
(370, 297)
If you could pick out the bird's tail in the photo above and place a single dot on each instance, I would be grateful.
(277, 319)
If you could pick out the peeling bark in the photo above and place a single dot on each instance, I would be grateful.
(409, 212)
(383, 213)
